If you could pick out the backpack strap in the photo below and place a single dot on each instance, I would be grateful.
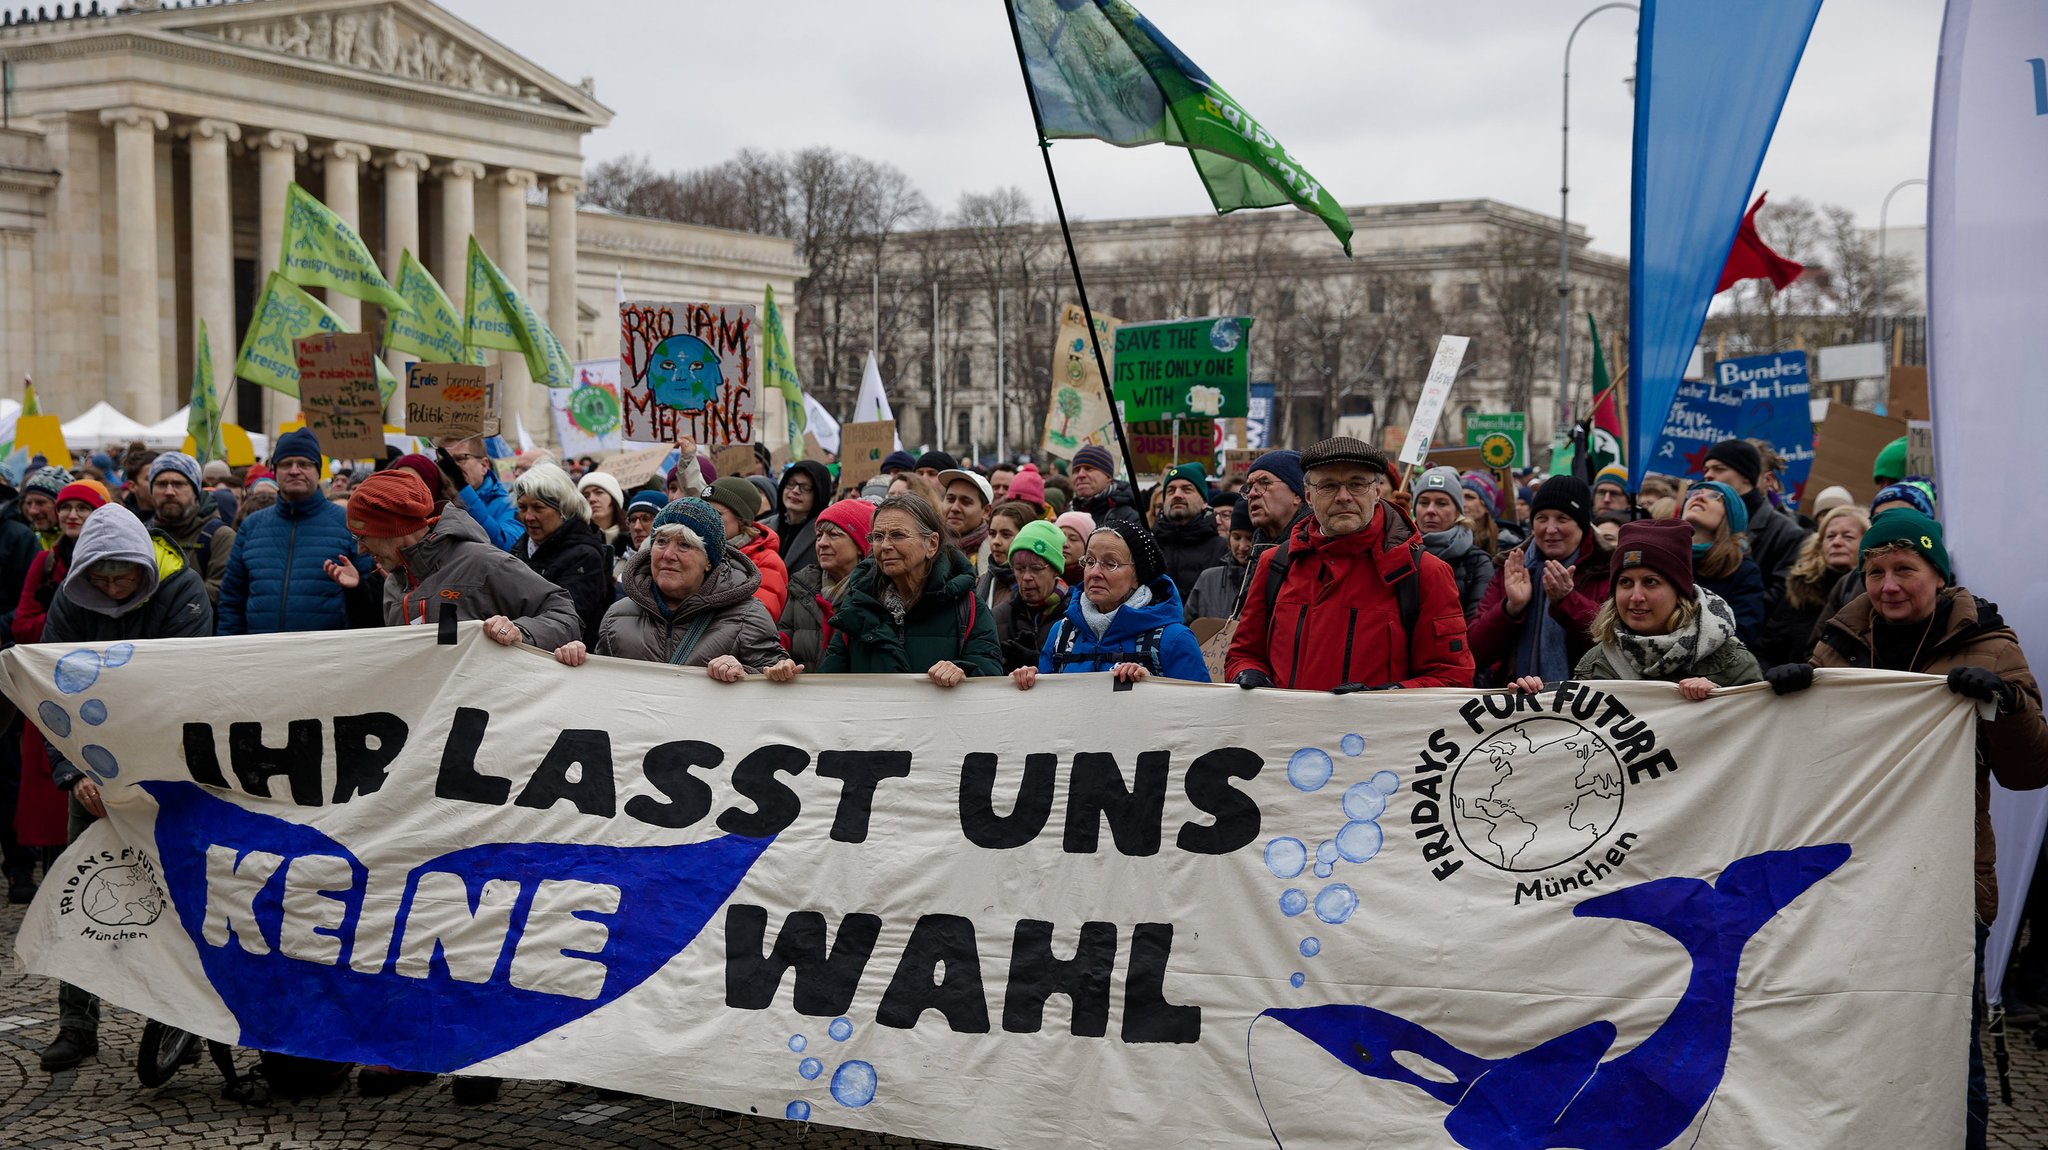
(206, 533)
(698, 626)
(966, 610)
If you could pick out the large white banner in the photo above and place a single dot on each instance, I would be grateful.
(1987, 289)
(1602, 918)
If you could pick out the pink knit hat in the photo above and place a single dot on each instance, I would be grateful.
(1029, 485)
(1078, 520)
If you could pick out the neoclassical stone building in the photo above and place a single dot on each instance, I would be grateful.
(145, 151)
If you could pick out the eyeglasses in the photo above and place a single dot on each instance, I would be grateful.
(1359, 488)
(1265, 484)
(467, 458)
(896, 538)
(1106, 566)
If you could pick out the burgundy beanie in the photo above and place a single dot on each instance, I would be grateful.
(1662, 545)
(428, 471)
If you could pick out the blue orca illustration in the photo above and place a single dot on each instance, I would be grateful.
(1558, 1093)
(437, 1022)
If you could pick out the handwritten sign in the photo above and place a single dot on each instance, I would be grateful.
(1760, 396)
(338, 391)
(1198, 368)
(1237, 461)
(443, 400)
(736, 460)
(1436, 389)
(1155, 447)
(687, 370)
(1078, 413)
(862, 448)
(633, 468)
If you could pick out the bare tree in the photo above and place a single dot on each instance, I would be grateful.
(1518, 303)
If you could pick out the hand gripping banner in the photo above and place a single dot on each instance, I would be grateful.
(1602, 917)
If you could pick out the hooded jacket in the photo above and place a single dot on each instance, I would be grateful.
(1113, 502)
(575, 559)
(1336, 618)
(1190, 548)
(205, 539)
(641, 626)
(1472, 567)
(866, 640)
(1965, 631)
(490, 506)
(276, 579)
(797, 545)
(1020, 631)
(19, 546)
(170, 603)
(763, 548)
(456, 563)
(1072, 647)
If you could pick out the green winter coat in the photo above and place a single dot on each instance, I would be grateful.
(1729, 665)
(866, 641)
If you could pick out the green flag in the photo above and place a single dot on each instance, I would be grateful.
(284, 314)
(778, 370)
(1100, 71)
(202, 423)
(320, 248)
(496, 315)
(430, 329)
(1604, 443)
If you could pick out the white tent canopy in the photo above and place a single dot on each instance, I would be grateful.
(170, 434)
(102, 426)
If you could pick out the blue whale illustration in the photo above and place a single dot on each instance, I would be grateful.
(434, 1022)
(1559, 1093)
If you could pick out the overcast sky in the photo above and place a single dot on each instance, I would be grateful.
(1383, 100)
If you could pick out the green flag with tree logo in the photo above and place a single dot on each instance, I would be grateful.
(431, 329)
(321, 249)
(1100, 71)
(496, 315)
(778, 370)
(202, 422)
(284, 315)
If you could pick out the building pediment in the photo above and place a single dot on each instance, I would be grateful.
(407, 41)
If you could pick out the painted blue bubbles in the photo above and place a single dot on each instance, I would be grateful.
(1335, 903)
(840, 1030)
(1363, 801)
(78, 671)
(1285, 857)
(1386, 782)
(1359, 841)
(1311, 946)
(100, 760)
(853, 1084)
(1296, 980)
(1352, 745)
(797, 1042)
(1308, 769)
(798, 1110)
(93, 711)
(118, 655)
(56, 719)
(1292, 902)
(810, 1068)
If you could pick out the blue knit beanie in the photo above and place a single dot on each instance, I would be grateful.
(1284, 466)
(179, 462)
(296, 444)
(651, 500)
(1905, 493)
(701, 518)
(1738, 511)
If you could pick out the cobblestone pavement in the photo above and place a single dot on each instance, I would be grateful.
(100, 1105)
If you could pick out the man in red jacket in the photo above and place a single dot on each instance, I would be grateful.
(1355, 603)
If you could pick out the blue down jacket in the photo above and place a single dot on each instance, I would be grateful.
(1071, 646)
(275, 581)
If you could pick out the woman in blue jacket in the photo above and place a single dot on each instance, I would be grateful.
(1126, 620)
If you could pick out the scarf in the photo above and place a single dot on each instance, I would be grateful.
(971, 542)
(1541, 649)
(1673, 656)
(1449, 545)
(1099, 622)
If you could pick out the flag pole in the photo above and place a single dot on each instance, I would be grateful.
(1116, 419)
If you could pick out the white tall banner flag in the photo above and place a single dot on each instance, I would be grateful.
(872, 404)
(1601, 917)
(1987, 289)
(1443, 372)
(821, 425)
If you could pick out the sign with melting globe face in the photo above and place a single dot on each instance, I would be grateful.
(687, 370)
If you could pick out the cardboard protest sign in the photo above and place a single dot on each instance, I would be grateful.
(1502, 438)
(862, 447)
(633, 468)
(338, 392)
(1196, 368)
(1908, 396)
(1755, 397)
(738, 459)
(451, 399)
(586, 416)
(1237, 462)
(1078, 414)
(1155, 446)
(1920, 447)
(1436, 390)
(1847, 445)
(531, 871)
(688, 370)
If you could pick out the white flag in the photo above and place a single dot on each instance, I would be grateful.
(526, 444)
(822, 426)
(872, 404)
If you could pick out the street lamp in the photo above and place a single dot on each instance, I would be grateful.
(1882, 211)
(1564, 230)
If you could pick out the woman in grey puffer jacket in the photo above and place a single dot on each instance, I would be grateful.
(689, 600)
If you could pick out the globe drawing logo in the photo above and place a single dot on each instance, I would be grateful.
(1224, 335)
(1536, 794)
(121, 896)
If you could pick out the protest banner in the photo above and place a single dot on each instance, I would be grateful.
(633, 468)
(1587, 913)
(1509, 431)
(1159, 444)
(338, 392)
(1237, 461)
(1078, 414)
(1196, 368)
(1845, 447)
(1436, 389)
(862, 447)
(737, 459)
(451, 399)
(586, 415)
(687, 370)
(1755, 397)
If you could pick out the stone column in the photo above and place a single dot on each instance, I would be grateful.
(343, 163)
(138, 381)
(278, 165)
(401, 234)
(562, 312)
(522, 399)
(213, 246)
(458, 220)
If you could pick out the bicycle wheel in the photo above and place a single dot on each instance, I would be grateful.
(164, 1049)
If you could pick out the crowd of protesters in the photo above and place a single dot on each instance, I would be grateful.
(1325, 569)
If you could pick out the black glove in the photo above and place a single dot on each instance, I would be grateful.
(1978, 683)
(1250, 679)
(450, 470)
(1789, 677)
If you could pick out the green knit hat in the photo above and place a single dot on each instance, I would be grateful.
(1192, 472)
(1890, 465)
(1043, 540)
(1905, 525)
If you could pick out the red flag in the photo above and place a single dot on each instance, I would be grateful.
(1750, 259)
